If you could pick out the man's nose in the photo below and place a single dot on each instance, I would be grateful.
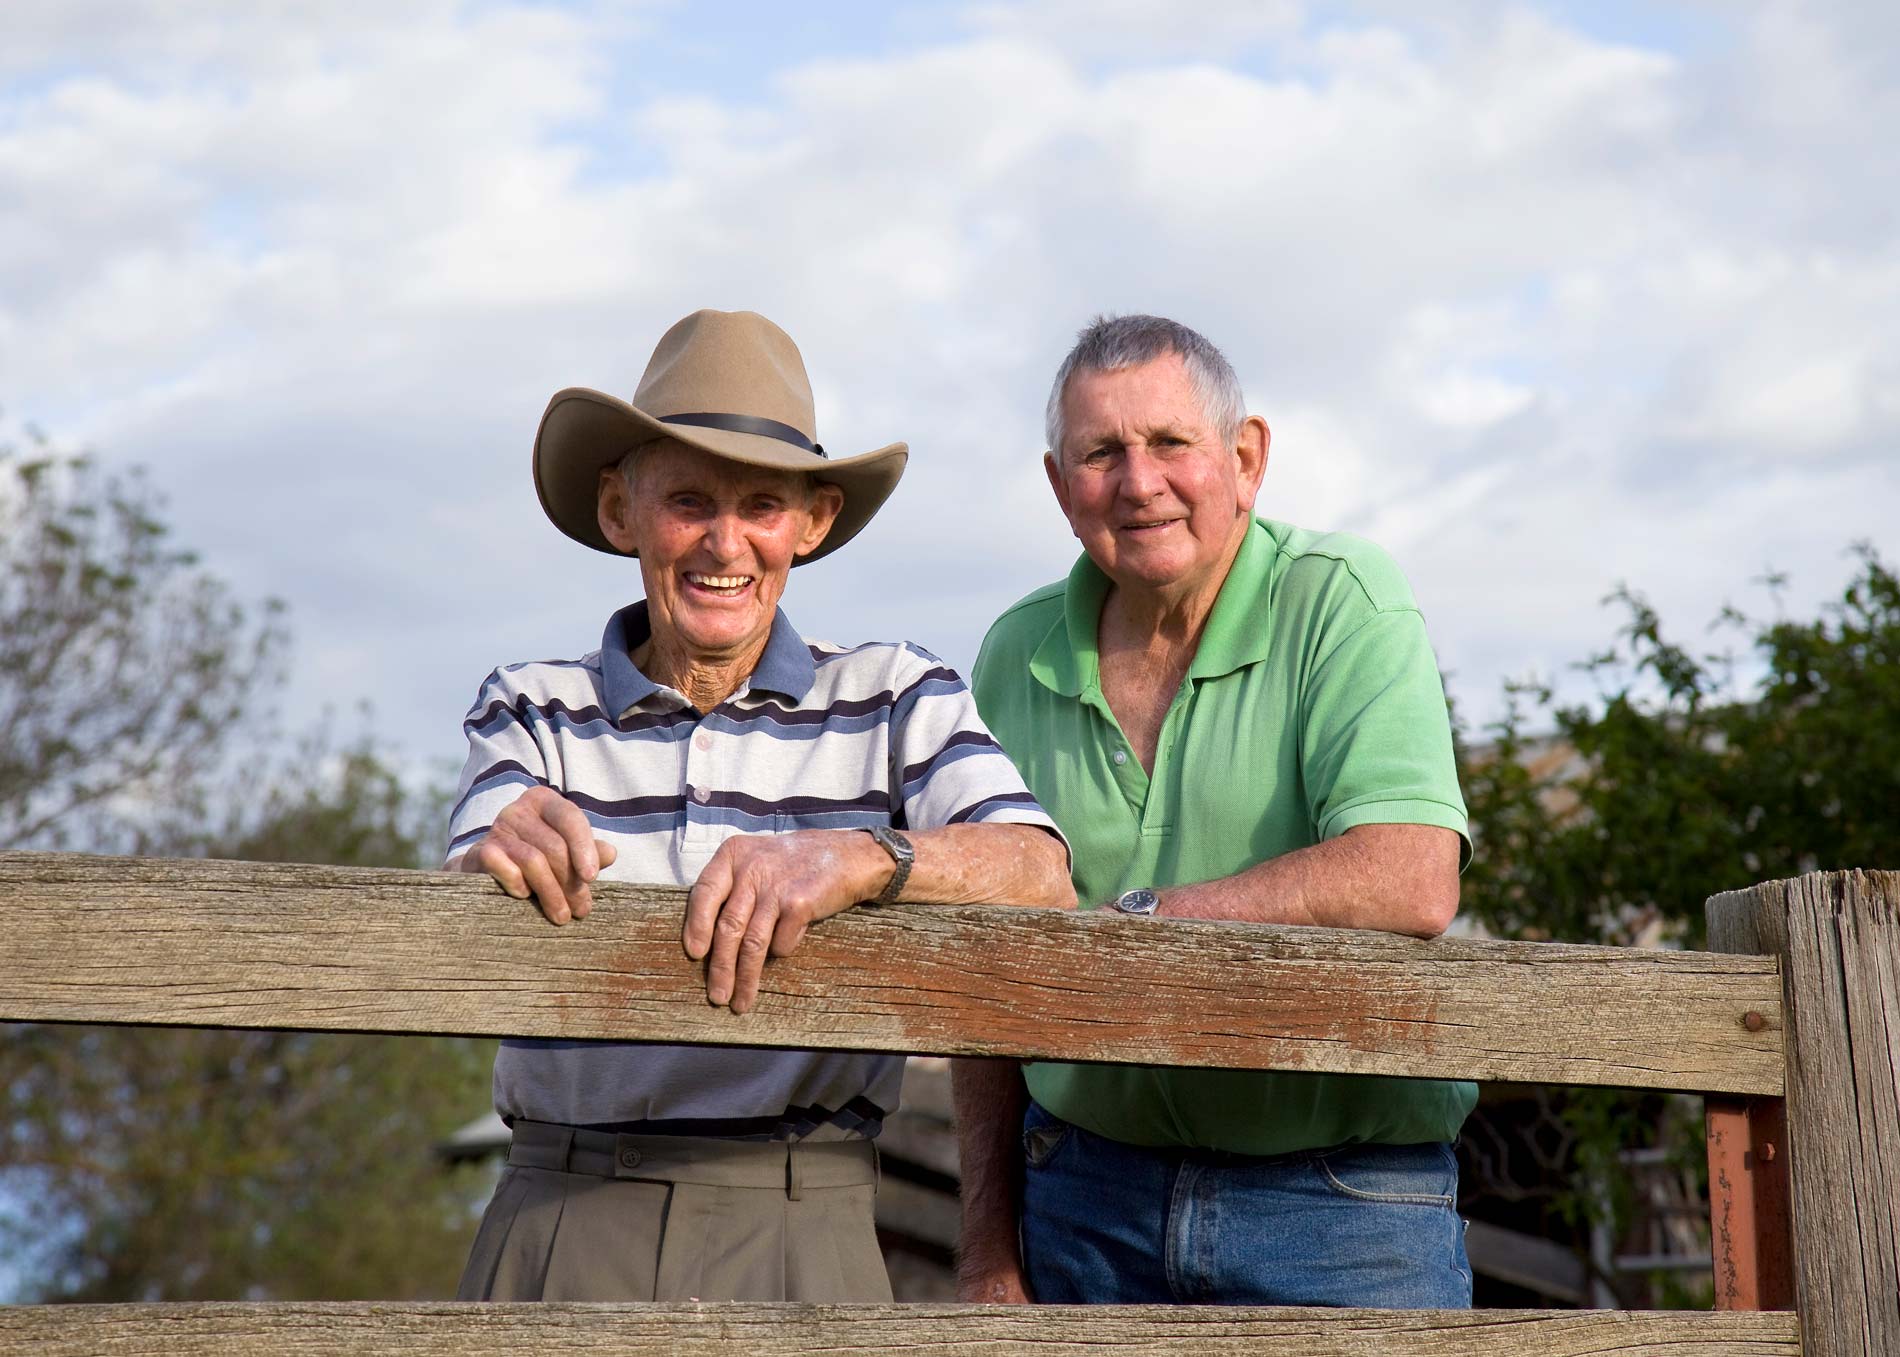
(1142, 478)
(725, 535)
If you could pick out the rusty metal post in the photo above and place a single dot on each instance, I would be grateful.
(1751, 1231)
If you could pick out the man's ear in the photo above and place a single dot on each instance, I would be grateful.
(1251, 450)
(827, 501)
(613, 509)
(1053, 470)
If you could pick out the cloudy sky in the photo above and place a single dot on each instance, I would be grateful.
(1540, 297)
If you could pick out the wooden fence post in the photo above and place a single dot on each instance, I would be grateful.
(1838, 940)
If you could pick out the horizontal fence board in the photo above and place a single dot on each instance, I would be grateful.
(222, 944)
(729, 1330)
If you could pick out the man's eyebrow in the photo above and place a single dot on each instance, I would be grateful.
(1150, 433)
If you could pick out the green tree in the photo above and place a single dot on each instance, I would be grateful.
(179, 1164)
(1695, 770)
(126, 670)
(146, 1163)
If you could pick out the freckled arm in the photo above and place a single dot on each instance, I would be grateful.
(987, 865)
(1396, 878)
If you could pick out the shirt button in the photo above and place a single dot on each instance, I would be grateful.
(700, 794)
(702, 741)
(1121, 757)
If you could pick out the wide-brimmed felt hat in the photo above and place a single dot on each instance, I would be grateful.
(730, 383)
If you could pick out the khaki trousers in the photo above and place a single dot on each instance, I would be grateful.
(594, 1216)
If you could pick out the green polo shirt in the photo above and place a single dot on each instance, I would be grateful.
(1312, 705)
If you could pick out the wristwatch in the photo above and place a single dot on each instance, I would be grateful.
(902, 853)
(1143, 902)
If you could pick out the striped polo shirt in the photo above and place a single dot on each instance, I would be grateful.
(819, 737)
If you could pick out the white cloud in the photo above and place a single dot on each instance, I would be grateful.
(1121, 30)
(1537, 310)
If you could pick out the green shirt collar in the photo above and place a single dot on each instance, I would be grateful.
(1238, 629)
(1067, 661)
(1236, 635)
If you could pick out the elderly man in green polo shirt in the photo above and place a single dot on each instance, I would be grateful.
(1230, 718)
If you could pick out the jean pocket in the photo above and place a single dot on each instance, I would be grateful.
(1418, 1175)
(1043, 1135)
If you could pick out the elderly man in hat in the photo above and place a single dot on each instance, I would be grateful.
(1236, 719)
(706, 743)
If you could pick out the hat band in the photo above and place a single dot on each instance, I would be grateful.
(752, 424)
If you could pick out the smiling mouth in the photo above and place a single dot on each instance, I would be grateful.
(720, 586)
(1149, 527)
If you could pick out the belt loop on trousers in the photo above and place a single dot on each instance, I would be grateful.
(792, 1184)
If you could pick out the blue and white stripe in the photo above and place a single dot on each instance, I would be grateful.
(821, 737)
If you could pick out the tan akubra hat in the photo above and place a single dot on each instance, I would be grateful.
(726, 382)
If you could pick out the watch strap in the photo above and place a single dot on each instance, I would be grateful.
(902, 852)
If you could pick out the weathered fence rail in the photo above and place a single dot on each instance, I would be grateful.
(225, 944)
(86, 939)
(448, 1330)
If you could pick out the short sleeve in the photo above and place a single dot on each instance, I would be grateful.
(946, 766)
(504, 760)
(1376, 735)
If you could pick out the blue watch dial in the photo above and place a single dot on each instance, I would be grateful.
(1137, 902)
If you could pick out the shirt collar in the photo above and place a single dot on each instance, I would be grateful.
(621, 682)
(786, 666)
(1236, 633)
(1068, 661)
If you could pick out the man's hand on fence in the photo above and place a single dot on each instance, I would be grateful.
(543, 844)
(761, 892)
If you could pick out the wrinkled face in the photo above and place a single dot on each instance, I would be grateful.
(1156, 497)
(716, 540)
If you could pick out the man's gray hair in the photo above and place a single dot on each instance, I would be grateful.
(629, 467)
(1110, 343)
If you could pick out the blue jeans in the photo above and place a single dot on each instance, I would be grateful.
(1363, 1225)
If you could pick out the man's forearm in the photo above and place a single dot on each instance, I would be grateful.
(1396, 878)
(989, 865)
(989, 1097)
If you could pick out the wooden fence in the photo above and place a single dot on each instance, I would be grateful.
(1787, 1021)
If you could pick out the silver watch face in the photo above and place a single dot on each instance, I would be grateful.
(1138, 902)
(893, 843)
